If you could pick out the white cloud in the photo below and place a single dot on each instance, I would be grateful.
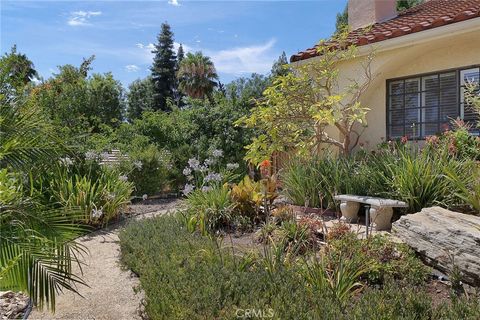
(244, 60)
(145, 50)
(149, 46)
(131, 68)
(174, 3)
(235, 61)
(81, 18)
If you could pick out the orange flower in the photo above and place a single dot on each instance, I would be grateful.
(265, 164)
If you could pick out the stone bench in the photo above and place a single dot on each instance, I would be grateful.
(381, 210)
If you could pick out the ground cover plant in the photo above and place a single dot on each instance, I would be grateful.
(187, 275)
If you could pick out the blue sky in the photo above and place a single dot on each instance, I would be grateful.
(241, 37)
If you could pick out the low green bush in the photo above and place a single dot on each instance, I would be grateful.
(384, 258)
(187, 276)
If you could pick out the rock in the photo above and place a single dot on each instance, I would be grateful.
(7, 294)
(444, 239)
(12, 305)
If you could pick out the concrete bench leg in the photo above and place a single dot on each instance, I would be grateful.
(349, 210)
(381, 217)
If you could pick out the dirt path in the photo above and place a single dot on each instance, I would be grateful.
(110, 294)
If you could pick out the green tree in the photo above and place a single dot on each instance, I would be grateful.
(341, 23)
(280, 67)
(16, 71)
(197, 76)
(163, 69)
(106, 100)
(80, 104)
(178, 93)
(298, 108)
(407, 4)
(139, 98)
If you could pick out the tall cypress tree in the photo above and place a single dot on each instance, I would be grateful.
(280, 67)
(163, 69)
(178, 94)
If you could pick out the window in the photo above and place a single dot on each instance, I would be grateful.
(424, 105)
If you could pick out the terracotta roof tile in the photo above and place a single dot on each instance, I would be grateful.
(431, 14)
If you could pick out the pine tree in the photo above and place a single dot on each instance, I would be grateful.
(341, 22)
(178, 93)
(180, 55)
(280, 67)
(163, 69)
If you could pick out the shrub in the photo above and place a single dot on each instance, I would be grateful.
(385, 259)
(417, 178)
(99, 199)
(187, 276)
(210, 210)
(305, 181)
(209, 174)
(248, 196)
(148, 169)
(465, 177)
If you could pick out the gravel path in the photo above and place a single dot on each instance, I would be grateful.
(111, 293)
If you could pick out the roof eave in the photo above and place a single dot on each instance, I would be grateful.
(449, 30)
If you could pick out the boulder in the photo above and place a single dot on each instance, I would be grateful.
(445, 239)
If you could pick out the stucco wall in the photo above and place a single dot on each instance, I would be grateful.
(430, 56)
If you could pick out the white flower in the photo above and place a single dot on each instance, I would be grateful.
(90, 155)
(213, 177)
(202, 168)
(209, 161)
(187, 171)
(188, 188)
(66, 161)
(137, 164)
(189, 178)
(145, 197)
(193, 163)
(96, 213)
(232, 166)
(123, 178)
(217, 153)
(206, 188)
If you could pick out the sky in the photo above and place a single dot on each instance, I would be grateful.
(241, 37)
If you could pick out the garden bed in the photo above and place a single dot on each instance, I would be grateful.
(186, 275)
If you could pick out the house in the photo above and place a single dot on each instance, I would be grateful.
(424, 56)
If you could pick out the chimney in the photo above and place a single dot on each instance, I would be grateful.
(362, 13)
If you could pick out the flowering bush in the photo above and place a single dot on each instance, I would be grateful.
(209, 174)
(148, 169)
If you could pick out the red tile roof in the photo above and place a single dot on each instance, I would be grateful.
(430, 14)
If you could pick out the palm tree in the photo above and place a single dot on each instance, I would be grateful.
(36, 241)
(197, 76)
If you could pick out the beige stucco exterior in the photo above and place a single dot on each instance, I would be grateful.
(428, 51)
